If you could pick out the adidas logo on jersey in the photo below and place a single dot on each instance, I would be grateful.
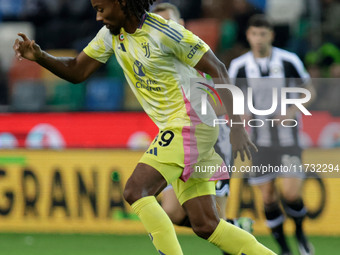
(153, 151)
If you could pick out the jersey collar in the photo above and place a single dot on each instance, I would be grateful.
(142, 20)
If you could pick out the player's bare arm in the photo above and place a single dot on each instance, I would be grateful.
(239, 138)
(75, 69)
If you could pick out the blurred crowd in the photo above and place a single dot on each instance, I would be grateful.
(310, 28)
(57, 23)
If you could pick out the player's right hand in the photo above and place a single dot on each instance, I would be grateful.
(26, 48)
(241, 143)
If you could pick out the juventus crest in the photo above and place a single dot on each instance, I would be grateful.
(146, 48)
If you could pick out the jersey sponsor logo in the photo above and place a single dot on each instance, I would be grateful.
(142, 85)
(146, 48)
(194, 50)
(139, 69)
(140, 72)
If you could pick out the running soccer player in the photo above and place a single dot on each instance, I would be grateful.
(263, 68)
(222, 146)
(159, 58)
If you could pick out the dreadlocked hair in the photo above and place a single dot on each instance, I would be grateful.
(136, 7)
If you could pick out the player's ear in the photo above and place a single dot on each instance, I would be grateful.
(247, 33)
(120, 2)
(272, 36)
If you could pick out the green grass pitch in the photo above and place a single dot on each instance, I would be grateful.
(91, 244)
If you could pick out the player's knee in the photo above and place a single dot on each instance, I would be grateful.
(270, 198)
(205, 229)
(128, 195)
(131, 194)
(291, 197)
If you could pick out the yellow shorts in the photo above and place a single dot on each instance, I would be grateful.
(182, 155)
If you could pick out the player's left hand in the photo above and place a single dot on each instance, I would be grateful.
(26, 48)
(241, 143)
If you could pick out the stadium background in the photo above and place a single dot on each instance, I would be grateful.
(67, 150)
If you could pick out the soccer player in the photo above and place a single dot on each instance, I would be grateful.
(222, 146)
(159, 58)
(263, 68)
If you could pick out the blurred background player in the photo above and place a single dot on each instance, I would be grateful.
(262, 69)
(222, 146)
(157, 59)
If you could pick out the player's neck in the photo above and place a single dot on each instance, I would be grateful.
(263, 54)
(131, 24)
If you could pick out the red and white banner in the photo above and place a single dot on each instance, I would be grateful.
(76, 130)
(321, 130)
(121, 130)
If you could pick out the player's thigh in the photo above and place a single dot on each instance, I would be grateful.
(291, 179)
(291, 160)
(265, 180)
(291, 188)
(268, 192)
(221, 204)
(171, 206)
(222, 193)
(264, 165)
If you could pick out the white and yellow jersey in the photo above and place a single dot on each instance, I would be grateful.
(158, 61)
